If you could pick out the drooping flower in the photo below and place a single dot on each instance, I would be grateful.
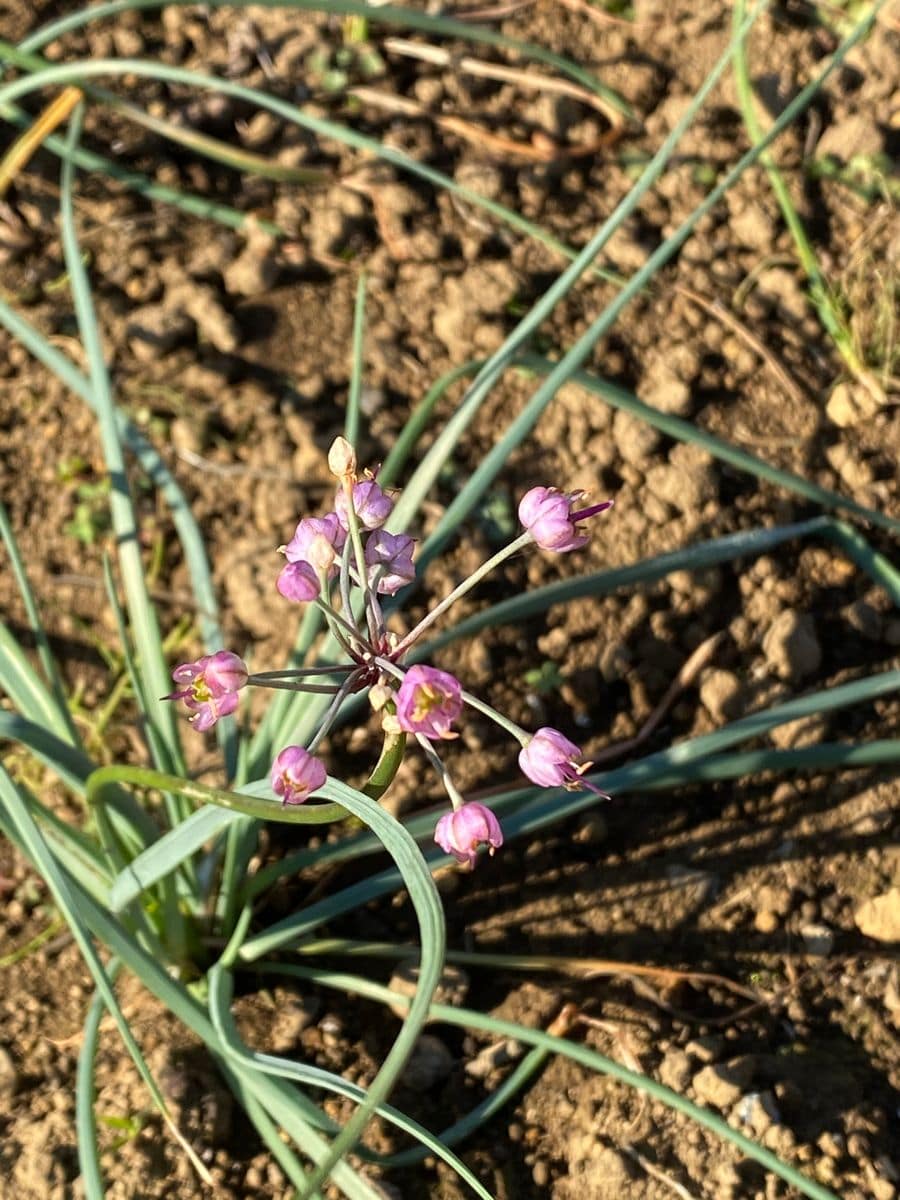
(428, 702)
(372, 505)
(298, 581)
(462, 831)
(548, 516)
(393, 552)
(211, 687)
(551, 760)
(296, 774)
(329, 527)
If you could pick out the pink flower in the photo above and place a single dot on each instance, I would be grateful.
(371, 504)
(428, 702)
(212, 684)
(296, 774)
(551, 760)
(393, 552)
(329, 527)
(547, 515)
(461, 832)
(298, 581)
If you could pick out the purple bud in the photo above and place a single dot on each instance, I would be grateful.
(461, 832)
(393, 552)
(547, 515)
(428, 702)
(297, 549)
(551, 760)
(296, 774)
(371, 504)
(298, 581)
(211, 687)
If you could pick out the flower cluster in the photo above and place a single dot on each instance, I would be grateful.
(343, 563)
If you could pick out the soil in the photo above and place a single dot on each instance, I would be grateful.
(232, 352)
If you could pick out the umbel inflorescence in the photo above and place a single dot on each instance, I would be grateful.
(342, 563)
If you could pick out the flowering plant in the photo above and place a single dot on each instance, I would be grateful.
(341, 563)
(165, 872)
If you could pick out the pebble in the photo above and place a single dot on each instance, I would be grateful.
(765, 921)
(492, 1057)
(675, 1070)
(723, 1084)
(818, 939)
(720, 693)
(759, 1110)
(156, 330)
(791, 646)
(849, 404)
(430, 1062)
(865, 619)
(540, 1173)
(879, 918)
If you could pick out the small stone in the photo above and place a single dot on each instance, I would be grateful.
(851, 403)
(818, 939)
(722, 1084)
(540, 1173)
(759, 1110)
(156, 329)
(430, 1062)
(675, 1070)
(765, 921)
(879, 918)
(791, 645)
(865, 619)
(9, 1076)
(492, 1057)
(720, 693)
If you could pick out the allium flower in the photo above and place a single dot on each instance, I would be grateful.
(296, 774)
(551, 760)
(393, 551)
(372, 505)
(298, 581)
(428, 702)
(461, 832)
(298, 548)
(547, 515)
(212, 684)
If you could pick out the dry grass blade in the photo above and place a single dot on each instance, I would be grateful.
(685, 677)
(720, 313)
(467, 65)
(543, 150)
(31, 140)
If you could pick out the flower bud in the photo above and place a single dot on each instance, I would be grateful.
(296, 774)
(342, 459)
(461, 832)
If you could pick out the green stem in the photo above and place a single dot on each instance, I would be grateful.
(524, 539)
(200, 793)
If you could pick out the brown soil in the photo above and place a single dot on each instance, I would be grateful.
(233, 354)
